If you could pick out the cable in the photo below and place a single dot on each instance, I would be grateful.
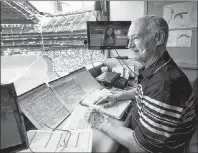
(101, 5)
(57, 129)
(93, 50)
(125, 63)
(117, 60)
(92, 62)
(123, 67)
(31, 150)
(95, 16)
(65, 143)
(107, 65)
(26, 69)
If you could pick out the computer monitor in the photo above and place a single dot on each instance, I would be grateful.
(13, 133)
(108, 34)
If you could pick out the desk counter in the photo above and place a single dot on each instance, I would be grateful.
(101, 141)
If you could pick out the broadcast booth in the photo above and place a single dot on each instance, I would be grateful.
(69, 59)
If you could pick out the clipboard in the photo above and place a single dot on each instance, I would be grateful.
(13, 132)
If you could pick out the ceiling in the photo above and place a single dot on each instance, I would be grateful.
(18, 12)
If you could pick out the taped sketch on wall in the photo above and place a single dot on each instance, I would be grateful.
(179, 38)
(181, 15)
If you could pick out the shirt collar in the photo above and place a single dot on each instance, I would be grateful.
(162, 59)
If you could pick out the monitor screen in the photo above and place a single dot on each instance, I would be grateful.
(108, 34)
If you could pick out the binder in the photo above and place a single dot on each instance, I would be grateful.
(13, 133)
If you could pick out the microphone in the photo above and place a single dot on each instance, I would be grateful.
(85, 42)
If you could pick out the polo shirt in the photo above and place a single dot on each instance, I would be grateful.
(163, 115)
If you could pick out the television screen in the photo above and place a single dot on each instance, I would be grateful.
(108, 34)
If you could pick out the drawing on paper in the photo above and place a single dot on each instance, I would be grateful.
(181, 15)
(180, 38)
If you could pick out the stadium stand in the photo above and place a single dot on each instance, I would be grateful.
(61, 38)
(16, 12)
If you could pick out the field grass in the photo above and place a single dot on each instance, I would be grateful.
(17, 69)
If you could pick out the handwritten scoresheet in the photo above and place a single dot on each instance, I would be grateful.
(74, 87)
(69, 91)
(42, 107)
(115, 111)
(59, 141)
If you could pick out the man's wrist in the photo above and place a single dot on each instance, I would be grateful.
(104, 125)
(118, 96)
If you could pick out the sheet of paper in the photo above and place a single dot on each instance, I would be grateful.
(74, 87)
(115, 111)
(180, 38)
(87, 82)
(57, 141)
(181, 15)
(76, 120)
(69, 91)
(43, 108)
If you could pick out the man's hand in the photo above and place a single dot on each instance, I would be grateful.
(110, 100)
(95, 118)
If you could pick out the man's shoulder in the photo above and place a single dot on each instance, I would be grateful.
(172, 73)
(170, 76)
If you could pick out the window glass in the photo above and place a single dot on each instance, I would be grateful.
(53, 47)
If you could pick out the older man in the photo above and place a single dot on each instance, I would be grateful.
(163, 115)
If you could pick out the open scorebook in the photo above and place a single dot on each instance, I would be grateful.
(72, 88)
(48, 106)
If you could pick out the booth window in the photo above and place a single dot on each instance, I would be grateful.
(51, 47)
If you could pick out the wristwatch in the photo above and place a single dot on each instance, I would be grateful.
(96, 117)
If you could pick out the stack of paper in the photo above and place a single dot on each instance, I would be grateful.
(47, 141)
(76, 120)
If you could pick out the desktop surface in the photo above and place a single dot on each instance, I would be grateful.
(100, 141)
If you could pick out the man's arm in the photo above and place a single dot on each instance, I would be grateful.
(110, 100)
(121, 135)
(126, 95)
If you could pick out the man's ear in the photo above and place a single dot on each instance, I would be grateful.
(160, 36)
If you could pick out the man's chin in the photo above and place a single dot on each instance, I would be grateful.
(137, 59)
(140, 61)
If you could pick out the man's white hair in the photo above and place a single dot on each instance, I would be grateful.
(157, 24)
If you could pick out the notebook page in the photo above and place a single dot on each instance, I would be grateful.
(68, 90)
(115, 111)
(43, 108)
